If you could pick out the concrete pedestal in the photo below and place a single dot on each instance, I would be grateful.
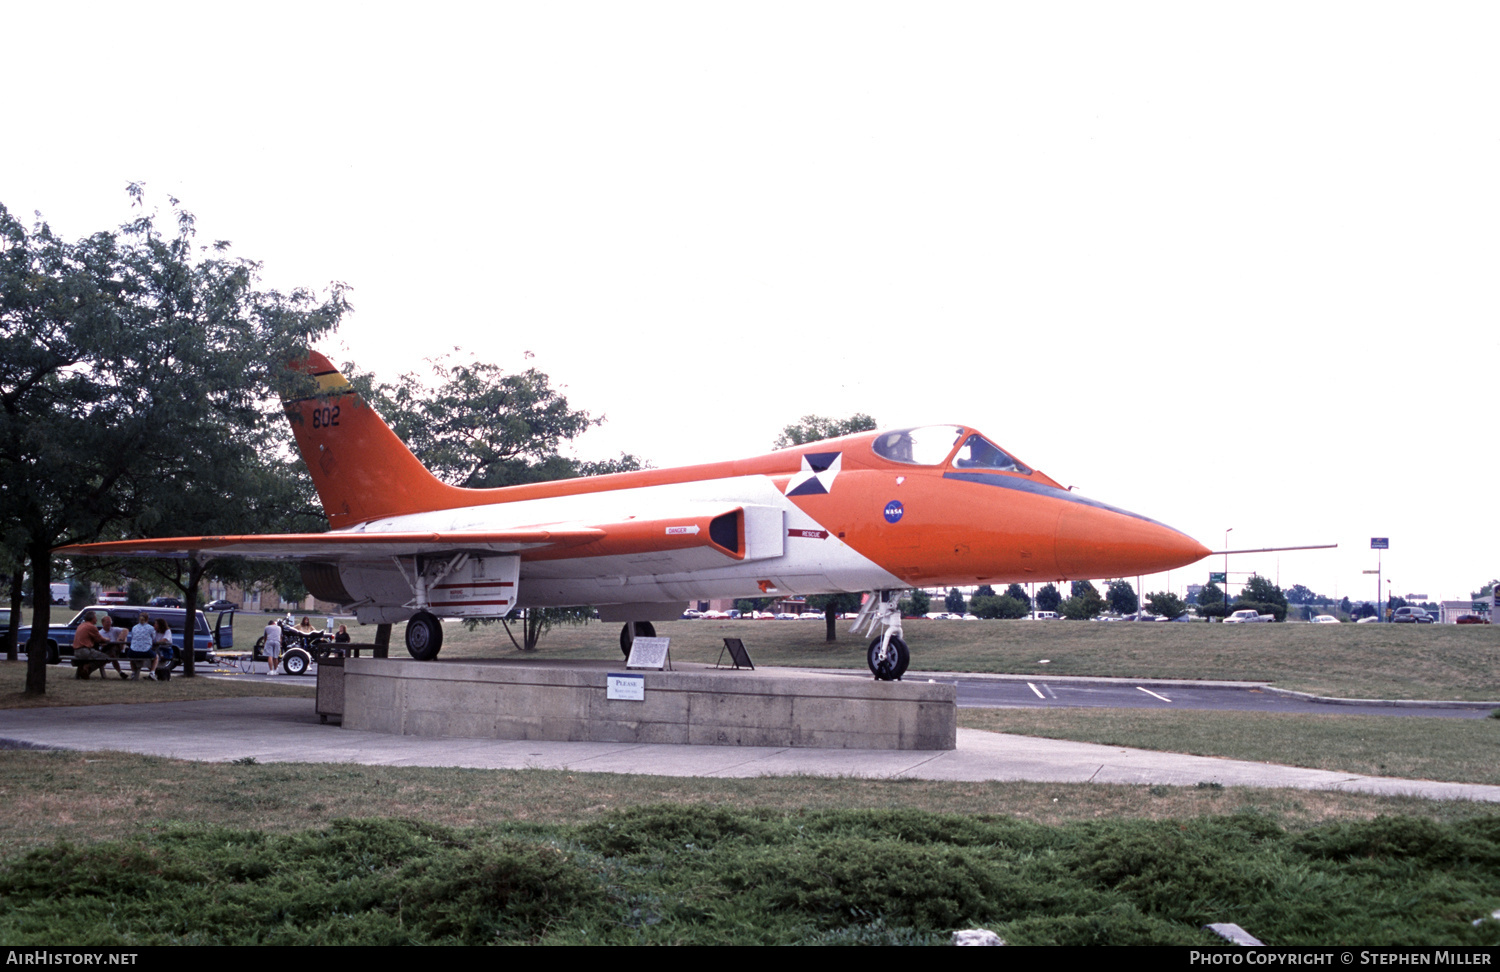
(695, 705)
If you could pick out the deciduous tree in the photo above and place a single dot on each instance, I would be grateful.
(1167, 604)
(1121, 597)
(119, 353)
(815, 428)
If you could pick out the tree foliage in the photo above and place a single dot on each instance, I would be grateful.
(478, 426)
(1122, 597)
(1301, 594)
(1017, 592)
(1263, 596)
(953, 603)
(1048, 598)
(1167, 604)
(1086, 602)
(133, 364)
(816, 428)
(1004, 607)
(916, 604)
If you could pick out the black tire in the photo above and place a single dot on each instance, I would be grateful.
(258, 653)
(296, 661)
(633, 630)
(424, 636)
(54, 657)
(892, 667)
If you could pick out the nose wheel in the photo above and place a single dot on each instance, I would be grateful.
(889, 663)
(888, 654)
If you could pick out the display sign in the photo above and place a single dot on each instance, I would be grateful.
(1218, 578)
(648, 653)
(1380, 543)
(625, 688)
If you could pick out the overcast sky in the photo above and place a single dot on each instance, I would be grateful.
(1222, 265)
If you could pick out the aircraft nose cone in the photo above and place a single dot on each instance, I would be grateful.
(1100, 542)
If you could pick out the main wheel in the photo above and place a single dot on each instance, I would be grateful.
(633, 630)
(424, 636)
(892, 665)
(258, 653)
(296, 661)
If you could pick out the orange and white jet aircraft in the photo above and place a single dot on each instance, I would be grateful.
(933, 506)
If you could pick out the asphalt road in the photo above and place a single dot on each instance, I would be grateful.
(1151, 694)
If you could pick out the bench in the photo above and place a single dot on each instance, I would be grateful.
(88, 666)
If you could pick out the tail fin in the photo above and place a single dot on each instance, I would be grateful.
(361, 469)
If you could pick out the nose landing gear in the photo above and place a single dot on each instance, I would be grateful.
(888, 655)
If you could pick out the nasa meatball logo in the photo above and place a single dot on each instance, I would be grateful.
(893, 511)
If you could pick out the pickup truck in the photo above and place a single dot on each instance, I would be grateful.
(1248, 617)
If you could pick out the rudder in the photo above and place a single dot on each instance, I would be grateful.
(360, 467)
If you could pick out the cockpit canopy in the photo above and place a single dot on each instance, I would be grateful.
(930, 445)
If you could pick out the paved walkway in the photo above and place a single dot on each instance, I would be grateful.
(287, 730)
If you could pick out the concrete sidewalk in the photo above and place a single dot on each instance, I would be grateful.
(287, 730)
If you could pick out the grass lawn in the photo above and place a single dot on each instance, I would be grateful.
(1352, 661)
(1412, 747)
(64, 689)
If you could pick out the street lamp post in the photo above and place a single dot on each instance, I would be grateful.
(1227, 532)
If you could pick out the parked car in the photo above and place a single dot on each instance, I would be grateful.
(1248, 617)
(1042, 616)
(221, 605)
(1412, 615)
(1325, 619)
(205, 639)
(165, 602)
(1472, 619)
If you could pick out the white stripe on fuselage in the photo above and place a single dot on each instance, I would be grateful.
(808, 566)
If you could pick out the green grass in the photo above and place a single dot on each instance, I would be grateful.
(673, 874)
(64, 689)
(1412, 747)
(1351, 661)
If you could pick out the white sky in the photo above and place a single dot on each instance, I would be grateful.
(1223, 265)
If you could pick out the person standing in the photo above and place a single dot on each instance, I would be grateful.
(272, 648)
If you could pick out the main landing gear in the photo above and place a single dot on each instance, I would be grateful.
(888, 655)
(633, 630)
(424, 636)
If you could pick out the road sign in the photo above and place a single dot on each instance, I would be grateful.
(1380, 543)
(1217, 578)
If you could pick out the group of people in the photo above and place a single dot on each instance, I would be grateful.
(100, 644)
(274, 628)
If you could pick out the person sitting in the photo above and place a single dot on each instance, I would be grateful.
(142, 648)
(163, 645)
(86, 644)
(342, 634)
(116, 642)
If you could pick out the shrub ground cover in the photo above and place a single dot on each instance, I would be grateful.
(678, 874)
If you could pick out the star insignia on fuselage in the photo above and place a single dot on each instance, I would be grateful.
(816, 475)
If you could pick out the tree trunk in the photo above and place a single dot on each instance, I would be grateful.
(830, 618)
(41, 618)
(196, 570)
(15, 614)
